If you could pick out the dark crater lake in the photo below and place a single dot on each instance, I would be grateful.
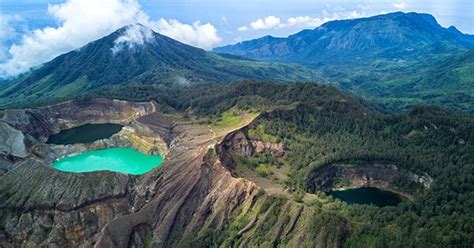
(373, 196)
(84, 134)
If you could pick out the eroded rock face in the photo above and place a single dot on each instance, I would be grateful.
(238, 143)
(5, 164)
(193, 191)
(343, 176)
(24, 131)
(277, 149)
(190, 193)
(39, 123)
(33, 184)
(41, 206)
(13, 141)
(44, 207)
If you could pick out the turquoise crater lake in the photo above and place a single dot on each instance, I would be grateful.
(123, 160)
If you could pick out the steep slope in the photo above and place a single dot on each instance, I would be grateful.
(394, 35)
(136, 55)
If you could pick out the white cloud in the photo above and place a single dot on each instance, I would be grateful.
(400, 6)
(82, 21)
(242, 29)
(268, 23)
(272, 22)
(134, 35)
(197, 34)
(342, 15)
(304, 21)
(8, 33)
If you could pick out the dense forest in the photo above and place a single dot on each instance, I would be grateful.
(424, 140)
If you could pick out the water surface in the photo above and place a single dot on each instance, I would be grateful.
(84, 134)
(374, 196)
(123, 160)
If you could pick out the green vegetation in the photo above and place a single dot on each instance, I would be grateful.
(260, 163)
(259, 133)
(424, 140)
(444, 80)
(161, 64)
(320, 125)
(263, 170)
(228, 119)
(398, 59)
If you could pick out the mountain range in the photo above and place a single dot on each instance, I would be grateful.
(390, 36)
(136, 55)
(398, 59)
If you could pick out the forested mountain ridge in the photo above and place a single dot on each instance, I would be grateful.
(136, 55)
(391, 36)
(398, 59)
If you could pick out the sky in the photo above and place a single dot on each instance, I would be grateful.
(35, 31)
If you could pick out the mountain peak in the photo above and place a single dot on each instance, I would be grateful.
(135, 54)
(132, 36)
(403, 18)
(131, 26)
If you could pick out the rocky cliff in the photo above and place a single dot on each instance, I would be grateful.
(384, 176)
(191, 199)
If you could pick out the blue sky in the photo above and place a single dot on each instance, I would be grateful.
(227, 16)
(242, 12)
(44, 29)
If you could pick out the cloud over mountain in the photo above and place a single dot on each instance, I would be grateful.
(81, 21)
(196, 34)
(273, 22)
(135, 35)
(266, 23)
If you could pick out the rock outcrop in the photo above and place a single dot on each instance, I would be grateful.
(277, 149)
(41, 206)
(344, 176)
(39, 123)
(13, 141)
(238, 143)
